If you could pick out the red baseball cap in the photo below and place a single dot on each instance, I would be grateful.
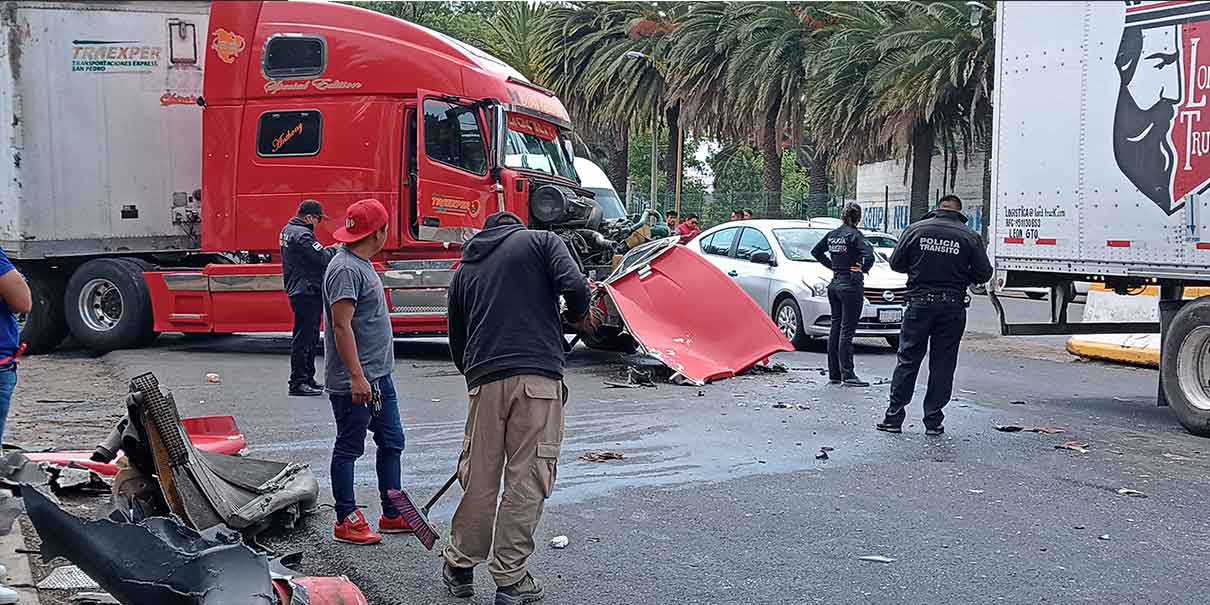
(362, 219)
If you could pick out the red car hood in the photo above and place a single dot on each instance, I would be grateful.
(684, 311)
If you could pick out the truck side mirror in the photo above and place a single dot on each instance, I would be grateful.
(499, 135)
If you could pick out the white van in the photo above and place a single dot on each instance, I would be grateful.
(593, 179)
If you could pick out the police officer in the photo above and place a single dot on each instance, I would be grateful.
(846, 252)
(942, 257)
(303, 263)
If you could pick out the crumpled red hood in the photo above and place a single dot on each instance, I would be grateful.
(691, 316)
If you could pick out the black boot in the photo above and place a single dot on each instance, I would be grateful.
(888, 427)
(305, 390)
(460, 580)
(525, 591)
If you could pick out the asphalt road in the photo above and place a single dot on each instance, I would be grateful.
(720, 497)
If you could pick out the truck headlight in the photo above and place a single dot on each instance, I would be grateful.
(818, 286)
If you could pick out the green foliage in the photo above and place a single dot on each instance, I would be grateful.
(852, 81)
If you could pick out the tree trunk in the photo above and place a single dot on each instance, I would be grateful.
(922, 164)
(771, 160)
(817, 200)
(672, 116)
(618, 159)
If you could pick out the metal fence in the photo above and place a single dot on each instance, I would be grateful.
(715, 208)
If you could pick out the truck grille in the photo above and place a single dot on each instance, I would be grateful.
(877, 296)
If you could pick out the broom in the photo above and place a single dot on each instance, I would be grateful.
(417, 518)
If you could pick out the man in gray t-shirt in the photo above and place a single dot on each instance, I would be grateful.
(358, 357)
(352, 278)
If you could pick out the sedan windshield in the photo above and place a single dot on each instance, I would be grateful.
(796, 243)
(881, 241)
(609, 203)
(529, 152)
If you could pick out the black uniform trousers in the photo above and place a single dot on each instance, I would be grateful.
(308, 311)
(846, 297)
(935, 325)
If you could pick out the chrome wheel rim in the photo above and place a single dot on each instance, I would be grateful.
(787, 321)
(1193, 367)
(100, 305)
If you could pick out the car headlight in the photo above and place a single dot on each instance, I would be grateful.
(817, 285)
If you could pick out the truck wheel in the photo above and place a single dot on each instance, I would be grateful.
(140, 266)
(43, 328)
(788, 318)
(1185, 366)
(108, 305)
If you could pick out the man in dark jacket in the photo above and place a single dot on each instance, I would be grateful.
(942, 257)
(506, 337)
(304, 260)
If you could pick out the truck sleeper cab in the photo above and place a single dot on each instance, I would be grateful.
(294, 101)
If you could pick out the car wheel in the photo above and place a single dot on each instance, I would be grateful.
(788, 318)
(893, 341)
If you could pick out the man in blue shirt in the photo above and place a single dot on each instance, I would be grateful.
(14, 298)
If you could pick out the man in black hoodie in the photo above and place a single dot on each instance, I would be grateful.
(303, 262)
(942, 257)
(506, 337)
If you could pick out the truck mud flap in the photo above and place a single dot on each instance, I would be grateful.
(686, 313)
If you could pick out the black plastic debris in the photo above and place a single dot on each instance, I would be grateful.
(158, 560)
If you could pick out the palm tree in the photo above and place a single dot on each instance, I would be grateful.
(935, 89)
(902, 78)
(586, 45)
(518, 41)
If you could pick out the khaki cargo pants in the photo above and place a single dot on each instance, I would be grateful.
(514, 427)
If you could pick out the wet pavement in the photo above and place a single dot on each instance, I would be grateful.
(720, 497)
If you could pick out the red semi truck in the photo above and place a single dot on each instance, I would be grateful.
(155, 150)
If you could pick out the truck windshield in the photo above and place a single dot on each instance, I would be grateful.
(530, 152)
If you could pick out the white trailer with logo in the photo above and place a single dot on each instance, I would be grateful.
(1101, 167)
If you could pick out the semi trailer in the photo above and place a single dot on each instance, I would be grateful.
(154, 150)
(1101, 164)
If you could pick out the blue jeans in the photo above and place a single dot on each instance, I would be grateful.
(352, 421)
(8, 382)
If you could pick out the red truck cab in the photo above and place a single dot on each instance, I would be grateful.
(333, 103)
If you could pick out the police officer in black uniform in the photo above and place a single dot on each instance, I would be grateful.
(846, 252)
(303, 263)
(942, 257)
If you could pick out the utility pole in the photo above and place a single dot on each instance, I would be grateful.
(680, 166)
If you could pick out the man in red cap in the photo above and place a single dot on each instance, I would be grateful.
(359, 356)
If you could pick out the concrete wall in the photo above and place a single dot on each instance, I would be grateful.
(879, 182)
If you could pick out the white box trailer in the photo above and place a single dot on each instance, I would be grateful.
(1101, 167)
(102, 138)
(122, 78)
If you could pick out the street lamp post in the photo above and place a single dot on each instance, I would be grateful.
(655, 144)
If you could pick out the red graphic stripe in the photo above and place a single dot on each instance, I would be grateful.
(1014, 240)
(1118, 243)
(1203, 245)
(1150, 7)
(1046, 241)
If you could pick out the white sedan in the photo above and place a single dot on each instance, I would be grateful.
(771, 260)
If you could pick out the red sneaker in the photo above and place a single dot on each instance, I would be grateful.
(355, 530)
(394, 525)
